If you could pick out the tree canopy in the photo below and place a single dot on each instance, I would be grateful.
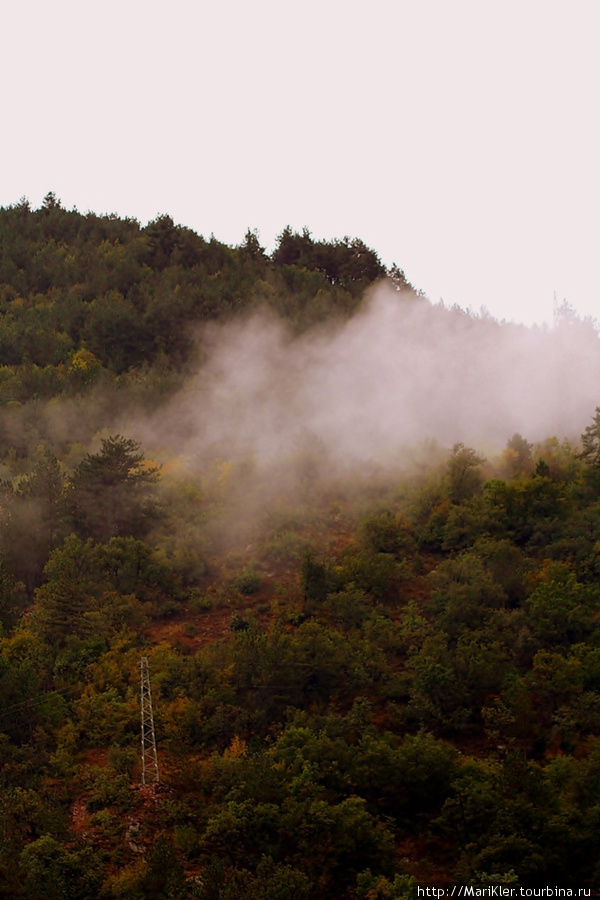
(366, 679)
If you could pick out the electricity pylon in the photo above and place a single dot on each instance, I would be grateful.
(149, 755)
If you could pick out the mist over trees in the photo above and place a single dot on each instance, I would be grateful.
(356, 535)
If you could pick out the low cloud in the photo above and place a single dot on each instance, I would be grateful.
(399, 372)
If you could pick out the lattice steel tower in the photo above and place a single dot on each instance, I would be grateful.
(149, 755)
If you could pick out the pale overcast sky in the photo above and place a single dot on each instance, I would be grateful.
(459, 139)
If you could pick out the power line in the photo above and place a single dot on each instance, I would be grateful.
(7, 711)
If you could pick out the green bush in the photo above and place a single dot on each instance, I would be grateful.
(248, 582)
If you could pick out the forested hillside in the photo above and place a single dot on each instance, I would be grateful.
(373, 647)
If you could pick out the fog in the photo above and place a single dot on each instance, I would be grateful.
(272, 425)
(397, 373)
